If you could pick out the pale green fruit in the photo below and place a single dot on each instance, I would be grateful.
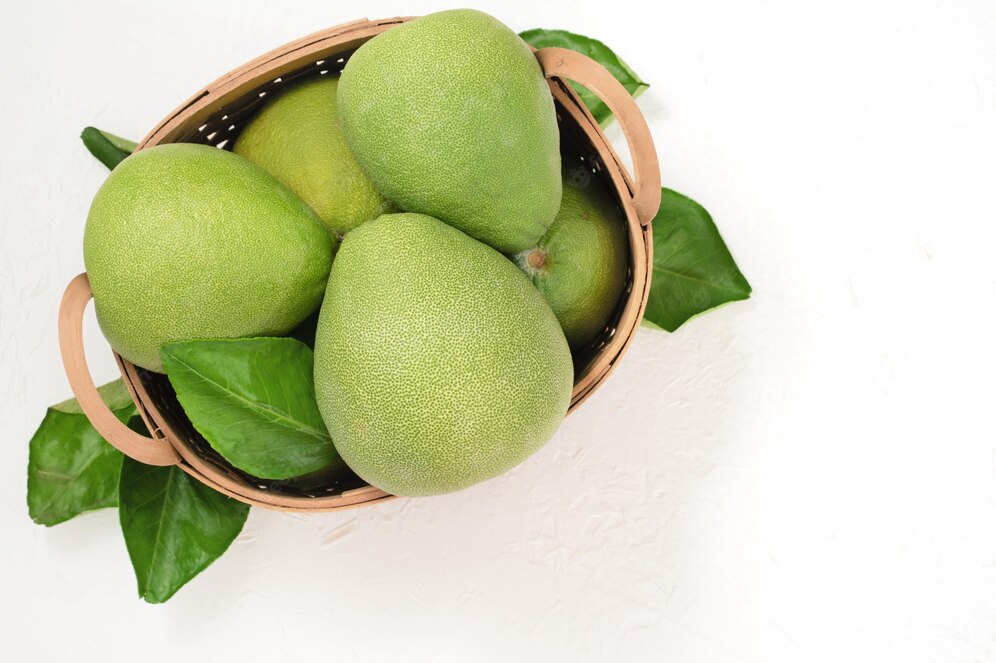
(437, 364)
(297, 138)
(580, 265)
(450, 116)
(189, 241)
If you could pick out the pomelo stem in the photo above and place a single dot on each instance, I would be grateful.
(536, 259)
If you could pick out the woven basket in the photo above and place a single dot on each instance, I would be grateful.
(215, 115)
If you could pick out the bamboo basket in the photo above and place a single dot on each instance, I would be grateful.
(215, 115)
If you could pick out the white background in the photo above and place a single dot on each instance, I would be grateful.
(808, 476)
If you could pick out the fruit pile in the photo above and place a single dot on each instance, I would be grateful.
(418, 200)
(387, 278)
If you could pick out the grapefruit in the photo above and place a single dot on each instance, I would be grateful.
(296, 137)
(580, 265)
(189, 241)
(450, 116)
(437, 363)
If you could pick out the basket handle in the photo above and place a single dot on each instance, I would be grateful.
(151, 452)
(571, 65)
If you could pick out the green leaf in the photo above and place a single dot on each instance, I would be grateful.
(114, 394)
(253, 400)
(109, 149)
(71, 468)
(693, 270)
(174, 526)
(598, 52)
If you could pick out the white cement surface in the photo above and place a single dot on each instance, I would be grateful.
(808, 476)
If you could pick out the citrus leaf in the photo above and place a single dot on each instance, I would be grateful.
(71, 468)
(693, 270)
(174, 526)
(597, 51)
(114, 394)
(109, 149)
(253, 400)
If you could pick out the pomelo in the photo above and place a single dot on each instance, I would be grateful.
(437, 364)
(580, 264)
(296, 137)
(189, 241)
(450, 116)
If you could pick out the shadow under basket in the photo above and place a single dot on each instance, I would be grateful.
(216, 114)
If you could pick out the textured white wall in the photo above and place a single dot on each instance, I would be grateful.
(809, 476)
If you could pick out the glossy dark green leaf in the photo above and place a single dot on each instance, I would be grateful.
(71, 468)
(693, 270)
(174, 526)
(109, 149)
(598, 52)
(114, 394)
(253, 400)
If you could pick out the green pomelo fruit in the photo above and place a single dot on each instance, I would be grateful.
(437, 364)
(297, 138)
(580, 265)
(189, 241)
(450, 116)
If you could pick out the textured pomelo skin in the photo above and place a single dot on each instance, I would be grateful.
(189, 241)
(580, 265)
(437, 364)
(296, 137)
(450, 116)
